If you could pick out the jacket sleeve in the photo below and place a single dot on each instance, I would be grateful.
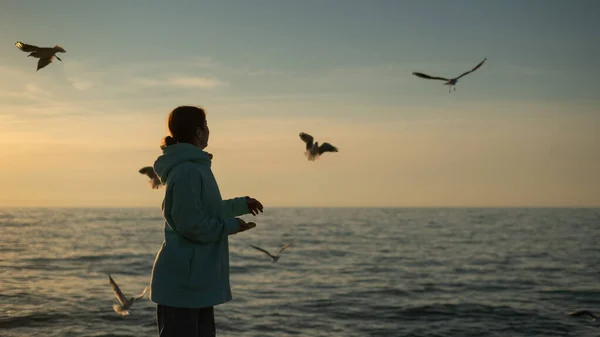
(235, 207)
(187, 216)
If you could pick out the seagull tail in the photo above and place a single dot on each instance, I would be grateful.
(155, 184)
(310, 156)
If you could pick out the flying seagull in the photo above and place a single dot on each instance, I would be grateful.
(276, 256)
(584, 313)
(124, 303)
(44, 54)
(155, 182)
(313, 150)
(451, 82)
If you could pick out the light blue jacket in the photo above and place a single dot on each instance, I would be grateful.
(191, 270)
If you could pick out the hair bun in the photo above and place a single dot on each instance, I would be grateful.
(168, 141)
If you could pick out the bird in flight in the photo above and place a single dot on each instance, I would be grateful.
(124, 303)
(275, 257)
(584, 313)
(313, 150)
(451, 82)
(45, 54)
(155, 182)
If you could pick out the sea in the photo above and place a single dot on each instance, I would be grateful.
(351, 272)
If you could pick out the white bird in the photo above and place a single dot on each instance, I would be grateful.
(275, 257)
(450, 82)
(313, 150)
(44, 54)
(124, 303)
(580, 313)
(154, 182)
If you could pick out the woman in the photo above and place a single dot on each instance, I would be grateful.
(191, 271)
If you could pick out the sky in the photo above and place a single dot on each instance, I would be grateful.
(522, 131)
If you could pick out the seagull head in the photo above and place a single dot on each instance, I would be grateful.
(59, 49)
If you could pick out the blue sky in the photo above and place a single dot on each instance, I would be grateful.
(303, 65)
(536, 49)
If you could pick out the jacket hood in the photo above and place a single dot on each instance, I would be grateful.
(176, 154)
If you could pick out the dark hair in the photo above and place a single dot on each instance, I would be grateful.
(182, 123)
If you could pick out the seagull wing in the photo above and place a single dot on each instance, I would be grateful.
(26, 47)
(262, 250)
(284, 247)
(308, 139)
(472, 70)
(583, 313)
(326, 147)
(421, 75)
(141, 294)
(44, 61)
(118, 293)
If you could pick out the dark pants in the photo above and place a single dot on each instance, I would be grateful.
(184, 322)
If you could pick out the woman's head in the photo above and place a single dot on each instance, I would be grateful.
(187, 124)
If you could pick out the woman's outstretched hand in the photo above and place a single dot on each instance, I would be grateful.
(254, 206)
(244, 226)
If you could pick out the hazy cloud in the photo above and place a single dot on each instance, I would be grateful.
(182, 82)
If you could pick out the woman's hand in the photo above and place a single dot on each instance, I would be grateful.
(244, 226)
(254, 206)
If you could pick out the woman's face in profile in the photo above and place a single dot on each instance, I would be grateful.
(203, 135)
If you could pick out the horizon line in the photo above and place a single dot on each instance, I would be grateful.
(328, 207)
